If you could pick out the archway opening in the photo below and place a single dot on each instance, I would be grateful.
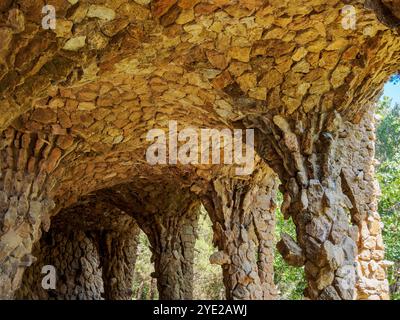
(144, 286)
(289, 280)
(208, 282)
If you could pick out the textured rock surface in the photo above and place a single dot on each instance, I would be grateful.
(242, 213)
(169, 219)
(77, 102)
(76, 261)
(290, 251)
(363, 191)
(93, 249)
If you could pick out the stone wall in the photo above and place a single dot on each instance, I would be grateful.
(74, 256)
(362, 189)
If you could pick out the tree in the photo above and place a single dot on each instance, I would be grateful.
(388, 153)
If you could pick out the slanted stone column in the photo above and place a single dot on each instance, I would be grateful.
(327, 174)
(326, 237)
(169, 218)
(26, 163)
(118, 255)
(242, 212)
(305, 154)
(357, 152)
(74, 256)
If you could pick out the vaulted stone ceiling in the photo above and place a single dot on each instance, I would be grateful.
(77, 102)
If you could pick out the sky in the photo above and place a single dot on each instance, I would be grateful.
(392, 91)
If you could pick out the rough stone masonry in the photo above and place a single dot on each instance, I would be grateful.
(76, 104)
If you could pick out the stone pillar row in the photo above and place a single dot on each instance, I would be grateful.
(93, 250)
(93, 244)
(169, 219)
(329, 192)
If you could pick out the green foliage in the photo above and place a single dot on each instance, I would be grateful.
(389, 178)
(290, 280)
(388, 131)
(391, 235)
(208, 283)
(144, 286)
(396, 296)
(388, 153)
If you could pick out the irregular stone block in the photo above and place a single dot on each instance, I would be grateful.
(290, 251)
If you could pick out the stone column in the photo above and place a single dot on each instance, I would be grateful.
(242, 212)
(308, 166)
(326, 238)
(169, 218)
(118, 255)
(172, 238)
(74, 256)
(26, 163)
(361, 187)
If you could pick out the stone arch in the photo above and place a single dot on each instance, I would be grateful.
(92, 246)
(168, 216)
